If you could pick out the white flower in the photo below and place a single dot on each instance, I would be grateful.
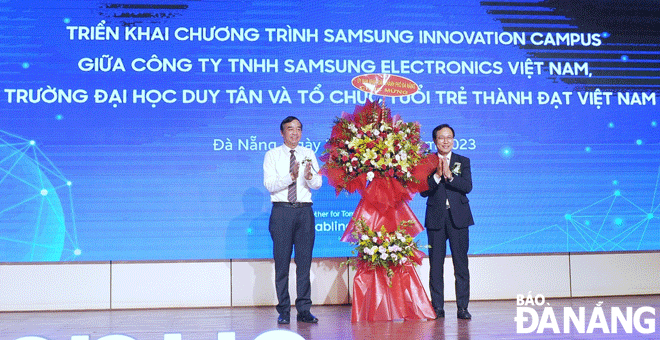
(375, 239)
(403, 260)
(364, 237)
(384, 256)
(382, 250)
(393, 256)
(368, 251)
(370, 176)
(375, 132)
(353, 142)
(374, 249)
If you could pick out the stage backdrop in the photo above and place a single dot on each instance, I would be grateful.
(136, 130)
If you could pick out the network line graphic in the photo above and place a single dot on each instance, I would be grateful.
(613, 223)
(36, 205)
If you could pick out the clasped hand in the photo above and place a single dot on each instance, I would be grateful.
(296, 168)
(442, 169)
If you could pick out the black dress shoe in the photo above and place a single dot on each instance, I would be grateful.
(307, 317)
(439, 313)
(284, 319)
(463, 314)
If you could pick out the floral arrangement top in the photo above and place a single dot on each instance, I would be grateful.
(371, 144)
(379, 248)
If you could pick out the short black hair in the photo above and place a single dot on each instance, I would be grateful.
(289, 119)
(442, 126)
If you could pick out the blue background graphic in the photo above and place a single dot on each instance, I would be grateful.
(124, 160)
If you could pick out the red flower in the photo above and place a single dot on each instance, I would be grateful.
(339, 157)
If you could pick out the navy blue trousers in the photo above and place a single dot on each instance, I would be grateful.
(459, 240)
(292, 228)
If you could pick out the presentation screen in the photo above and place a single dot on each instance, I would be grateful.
(136, 130)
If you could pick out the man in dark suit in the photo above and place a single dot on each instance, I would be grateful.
(448, 217)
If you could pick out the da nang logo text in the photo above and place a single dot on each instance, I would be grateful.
(531, 318)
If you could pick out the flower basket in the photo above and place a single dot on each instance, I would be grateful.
(380, 248)
(385, 161)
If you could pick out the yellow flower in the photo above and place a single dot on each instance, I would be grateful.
(354, 142)
(368, 154)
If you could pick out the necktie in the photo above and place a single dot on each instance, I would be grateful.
(292, 195)
(447, 160)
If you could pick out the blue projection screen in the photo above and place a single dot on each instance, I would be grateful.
(137, 130)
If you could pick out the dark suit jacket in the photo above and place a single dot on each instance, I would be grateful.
(456, 191)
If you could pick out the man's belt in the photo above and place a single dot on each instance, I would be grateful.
(292, 205)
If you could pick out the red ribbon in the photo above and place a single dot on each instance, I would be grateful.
(375, 218)
(377, 297)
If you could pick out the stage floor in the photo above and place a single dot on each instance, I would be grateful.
(490, 320)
